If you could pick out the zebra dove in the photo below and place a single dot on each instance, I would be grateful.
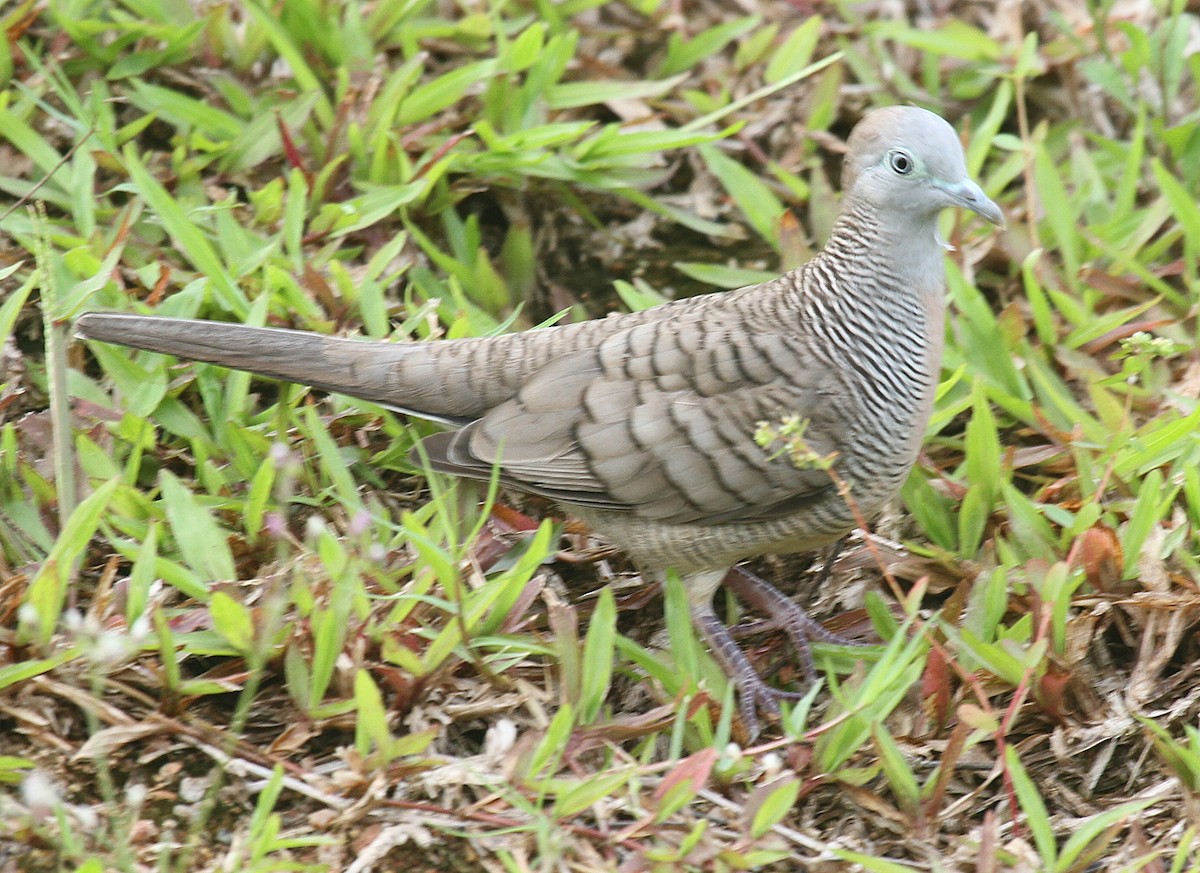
(643, 425)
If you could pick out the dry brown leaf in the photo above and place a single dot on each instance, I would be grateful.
(108, 740)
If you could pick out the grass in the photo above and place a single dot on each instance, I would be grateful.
(241, 631)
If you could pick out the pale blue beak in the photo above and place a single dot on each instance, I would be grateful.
(969, 195)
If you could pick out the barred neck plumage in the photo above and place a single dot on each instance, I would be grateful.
(872, 304)
(891, 257)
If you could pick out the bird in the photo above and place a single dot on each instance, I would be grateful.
(642, 425)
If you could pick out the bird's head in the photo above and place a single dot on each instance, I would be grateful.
(907, 159)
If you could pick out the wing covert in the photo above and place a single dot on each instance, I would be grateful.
(659, 421)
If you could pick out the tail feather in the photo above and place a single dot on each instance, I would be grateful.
(367, 370)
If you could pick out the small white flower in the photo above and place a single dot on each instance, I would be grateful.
(40, 794)
(135, 795)
(314, 527)
(73, 621)
(771, 764)
(499, 739)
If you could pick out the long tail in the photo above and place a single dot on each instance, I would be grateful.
(374, 371)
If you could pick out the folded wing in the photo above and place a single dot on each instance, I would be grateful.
(659, 420)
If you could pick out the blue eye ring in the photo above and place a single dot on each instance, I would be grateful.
(901, 162)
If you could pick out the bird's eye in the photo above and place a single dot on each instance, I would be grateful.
(901, 162)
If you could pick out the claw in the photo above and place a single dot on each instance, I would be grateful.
(754, 695)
